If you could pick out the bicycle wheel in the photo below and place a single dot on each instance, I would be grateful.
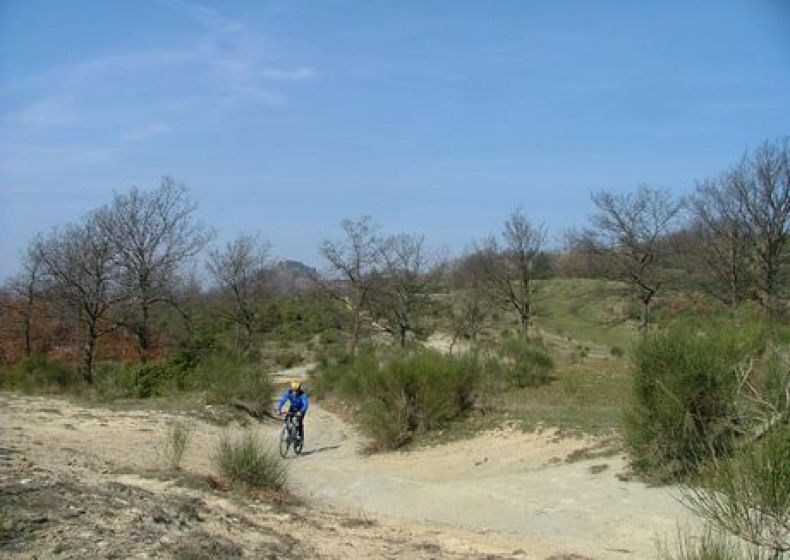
(298, 444)
(285, 441)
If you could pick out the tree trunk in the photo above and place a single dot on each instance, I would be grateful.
(143, 338)
(645, 316)
(90, 353)
(246, 338)
(28, 320)
(355, 335)
(525, 323)
(28, 349)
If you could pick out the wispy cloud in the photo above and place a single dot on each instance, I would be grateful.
(296, 74)
(145, 131)
(50, 111)
(23, 160)
(229, 63)
(85, 114)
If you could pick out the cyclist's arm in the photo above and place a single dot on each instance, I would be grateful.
(305, 403)
(281, 402)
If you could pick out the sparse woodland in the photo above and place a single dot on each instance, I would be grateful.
(663, 320)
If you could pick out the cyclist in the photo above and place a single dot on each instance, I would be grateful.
(298, 403)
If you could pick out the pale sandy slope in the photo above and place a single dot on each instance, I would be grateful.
(504, 482)
(502, 491)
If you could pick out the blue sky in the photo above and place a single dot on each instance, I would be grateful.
(437, 117)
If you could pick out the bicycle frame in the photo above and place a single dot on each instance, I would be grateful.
(289, 436)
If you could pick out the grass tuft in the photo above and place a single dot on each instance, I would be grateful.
(176, 443)
(246, 461)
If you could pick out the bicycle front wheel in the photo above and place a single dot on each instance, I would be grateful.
(285, 441)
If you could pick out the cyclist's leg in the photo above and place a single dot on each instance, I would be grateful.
(300, 422)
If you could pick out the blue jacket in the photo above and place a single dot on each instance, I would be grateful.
(296, 403)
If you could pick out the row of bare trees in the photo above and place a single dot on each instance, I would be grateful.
(113, 269)
(125, 261)
(730, 237)
(381, 281)
(742, 220)
(387, 282)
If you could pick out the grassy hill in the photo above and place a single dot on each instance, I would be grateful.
(587, 310)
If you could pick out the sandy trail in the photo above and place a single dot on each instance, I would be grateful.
(501, 491)
(505, 482)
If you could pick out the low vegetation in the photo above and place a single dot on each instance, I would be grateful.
(399, 395)
(247, 461)
(527, 365)
(710, 410)
(711, 545)
(684, 410)
(748, 493)
(176, 443)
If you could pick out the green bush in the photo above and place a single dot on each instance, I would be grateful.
(684, 409)
(36, 373)
(288, 358)
(330, 337)
(248, 462)
(225, 377)
(137, 381)
(529, 365)
(401, 395)
(748, 494)
(152, 379)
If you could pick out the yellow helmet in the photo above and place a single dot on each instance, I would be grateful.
(295, 385)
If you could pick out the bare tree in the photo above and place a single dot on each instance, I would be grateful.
(353, 260)
(239, 270)
(628, 231)
(723, 243)
(153, 234)
(399, 296)
(26, 286)
(469, 308)
(508, 268)
(80, 261)
(761, 186)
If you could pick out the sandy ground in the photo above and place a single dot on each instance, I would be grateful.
(503, 494)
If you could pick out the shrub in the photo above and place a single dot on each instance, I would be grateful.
(225, 377)
(36, 373)
(748, 494)
(246, 461)
(151, 379)
(329, 337)
(684, 407)
(138, 381)
(617, 352)
(401, 395)
(288, 358)
(176, 442)
(530, 365)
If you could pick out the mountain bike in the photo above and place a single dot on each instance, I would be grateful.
(289, 436)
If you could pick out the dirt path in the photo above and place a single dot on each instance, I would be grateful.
(504, 493)
(525, 486)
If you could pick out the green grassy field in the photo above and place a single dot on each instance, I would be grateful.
(586, 310)
(580, 322)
